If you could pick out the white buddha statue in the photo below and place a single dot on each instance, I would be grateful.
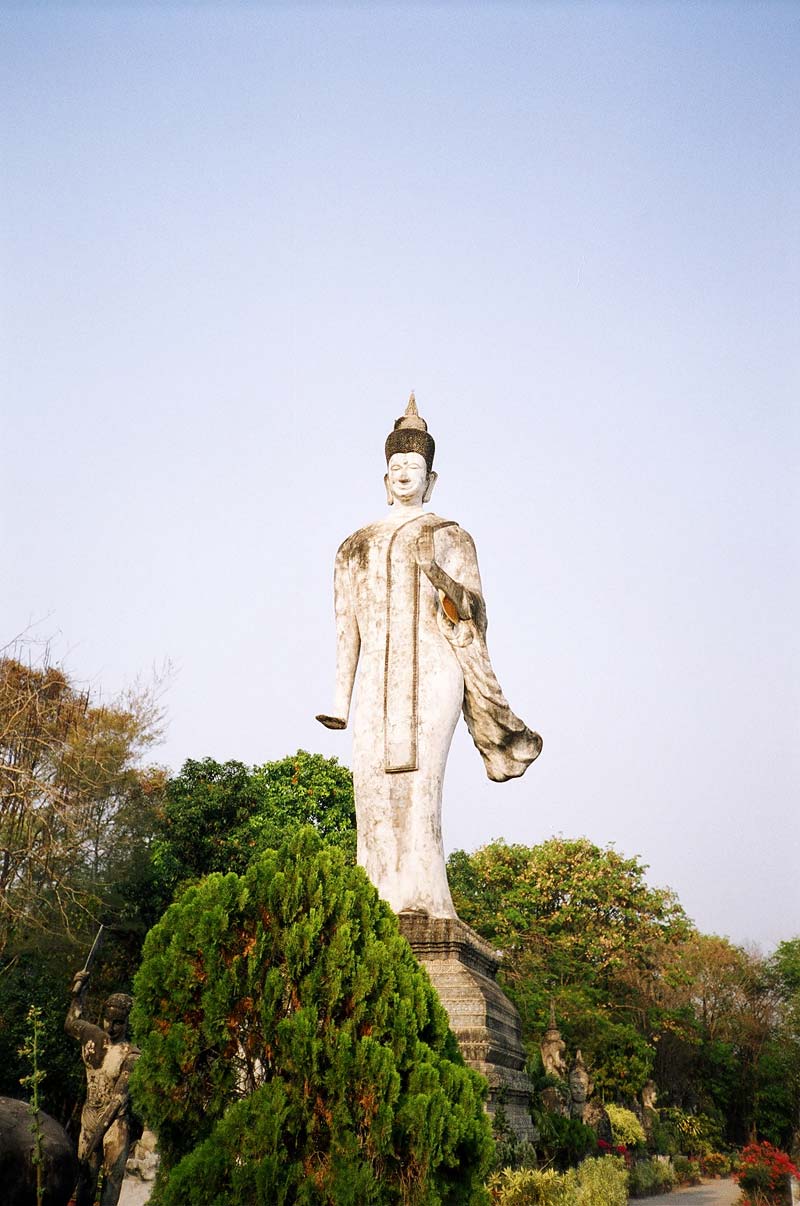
(410, 618)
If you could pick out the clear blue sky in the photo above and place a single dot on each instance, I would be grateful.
(233, 238)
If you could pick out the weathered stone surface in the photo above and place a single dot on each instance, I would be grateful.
(17, 1173)
(144, 1159)
(462, 968)
(580, 1086)
(556, 1099)
(553, 1048)
(135, 1192)
(595, 1116)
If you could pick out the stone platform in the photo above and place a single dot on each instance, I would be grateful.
(462, 968)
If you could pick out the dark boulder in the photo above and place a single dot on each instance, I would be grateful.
(17, 1172)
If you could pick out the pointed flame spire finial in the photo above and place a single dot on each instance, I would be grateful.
(411, 435)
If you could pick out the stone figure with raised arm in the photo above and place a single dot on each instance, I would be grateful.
(410, 617)
(105, 1128)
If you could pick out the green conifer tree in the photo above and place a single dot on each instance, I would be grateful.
(293, 1050)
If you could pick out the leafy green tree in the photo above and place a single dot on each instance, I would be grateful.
(696, 997)
(39, 978)
(217, 816)
(786, 963)
(578, 924)
(69, 767)
(777, 1087)
(293, 1051)
(636, 987)
(592, 905)
(77, 811)
(731, 1051)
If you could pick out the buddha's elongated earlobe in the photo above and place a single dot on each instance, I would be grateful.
(429, 487)
(389, 498)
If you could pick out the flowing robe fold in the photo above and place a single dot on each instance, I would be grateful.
(417, 670)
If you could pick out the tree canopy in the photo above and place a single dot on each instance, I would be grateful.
(90, 831)
(636, 986)
(77, 809)
(294, 1051)
(578, 925)
(218, 816)
(71, 777)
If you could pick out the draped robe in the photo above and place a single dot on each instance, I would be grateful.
(417, 670)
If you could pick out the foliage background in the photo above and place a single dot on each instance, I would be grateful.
(90, 831)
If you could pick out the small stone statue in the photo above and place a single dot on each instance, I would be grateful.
(553, 1048)
(580, 1086)
(410, 616)
(648, 1114)
(109, 1058)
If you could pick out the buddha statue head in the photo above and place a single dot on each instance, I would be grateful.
(580, 1085)
(409, 451)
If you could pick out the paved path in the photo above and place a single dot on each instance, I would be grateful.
(710, 1193)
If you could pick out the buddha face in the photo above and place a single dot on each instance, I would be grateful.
(579, 1084)
(407, 478)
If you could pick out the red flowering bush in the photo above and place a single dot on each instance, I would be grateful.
(614, 1149)
(764, 1174)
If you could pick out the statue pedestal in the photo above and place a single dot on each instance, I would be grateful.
(462, 968)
